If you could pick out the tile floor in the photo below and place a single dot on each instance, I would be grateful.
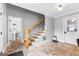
(53, 49)
(50, 49)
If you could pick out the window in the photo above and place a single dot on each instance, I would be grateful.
(71, 25)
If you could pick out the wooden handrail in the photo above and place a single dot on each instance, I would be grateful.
(35, 25)
(28, 32)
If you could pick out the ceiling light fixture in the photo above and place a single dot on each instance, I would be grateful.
(60, 7)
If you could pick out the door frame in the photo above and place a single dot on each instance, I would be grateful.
(69, 34)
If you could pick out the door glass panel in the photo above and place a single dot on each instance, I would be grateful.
(71, 25)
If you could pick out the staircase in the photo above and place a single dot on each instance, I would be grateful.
(36, 38)
(32, 40)
(37, 24)
(14, 45)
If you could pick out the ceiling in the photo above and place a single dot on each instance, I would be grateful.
(50, 9)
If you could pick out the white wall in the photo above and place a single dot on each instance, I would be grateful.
(49, 24)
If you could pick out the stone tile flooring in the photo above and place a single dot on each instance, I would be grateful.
(53, 49)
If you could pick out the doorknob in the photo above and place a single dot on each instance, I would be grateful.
(0, 13)
(65, 32)
(0, 33)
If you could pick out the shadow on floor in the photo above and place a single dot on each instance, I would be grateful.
(20, 53)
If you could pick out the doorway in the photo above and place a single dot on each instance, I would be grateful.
(14, 28)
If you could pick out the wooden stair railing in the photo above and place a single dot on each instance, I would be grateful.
(28, 32)
(34, 26)
(37, 24)
(17, 44)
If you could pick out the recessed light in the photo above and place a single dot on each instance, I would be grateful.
(60, 7)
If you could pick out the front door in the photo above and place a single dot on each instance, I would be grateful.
(71, 30)
(1, 29)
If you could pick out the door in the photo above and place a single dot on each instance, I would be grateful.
(1, 29)
(14, 28)
(10, 28)
(70, 30)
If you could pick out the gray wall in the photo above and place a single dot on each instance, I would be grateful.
(1, 27)
(29, 18)
(49, 24)
(59, 30)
